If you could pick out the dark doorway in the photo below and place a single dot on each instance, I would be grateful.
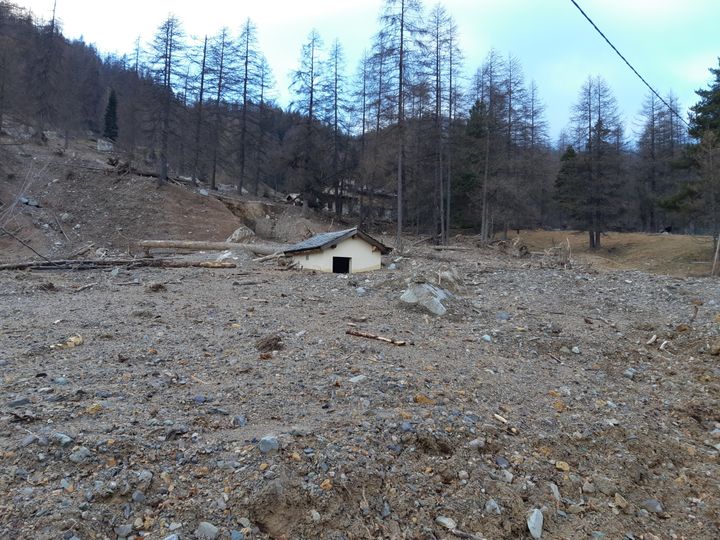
(341, 265)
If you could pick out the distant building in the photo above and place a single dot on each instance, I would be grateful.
(340, 252)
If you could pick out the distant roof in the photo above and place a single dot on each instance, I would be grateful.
(322, 241)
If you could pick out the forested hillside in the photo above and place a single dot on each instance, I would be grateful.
(405, 136)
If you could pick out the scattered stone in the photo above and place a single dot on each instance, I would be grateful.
(19, 402)
(630, 373)
(315, 515)
(535, 523)
(492, 507)
(555, 491)
(506, 476)
(62, 439)
(575, 350)
(358, 379)
(361, 291)
(406, 427)
(487, 338)
(239, 421)
(562, 466)
(138, 496)
(477, 444)
(463, 475)
(172, 537)
(502, 462)
(620, 501)
(28, 440)
(588, 487)
(206, 531)
(269, 343)
(446, 522)
(268, 444)
(124, 530)
(236, 535)
(653, 506)
(80, 455)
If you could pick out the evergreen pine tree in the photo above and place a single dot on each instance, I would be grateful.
(110, 131)
(705, 115)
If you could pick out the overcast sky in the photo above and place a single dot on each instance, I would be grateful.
(672, 43)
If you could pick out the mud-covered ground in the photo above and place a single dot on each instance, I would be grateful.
(591, 396)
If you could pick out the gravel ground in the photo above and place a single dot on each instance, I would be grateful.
(232, 404)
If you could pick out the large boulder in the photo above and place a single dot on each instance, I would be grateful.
(240, 235)
(428, 296)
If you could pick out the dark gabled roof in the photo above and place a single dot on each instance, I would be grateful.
(323, 241)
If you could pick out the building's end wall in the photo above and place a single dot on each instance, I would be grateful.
(364, 257)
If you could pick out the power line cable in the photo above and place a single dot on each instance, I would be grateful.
(630, 65)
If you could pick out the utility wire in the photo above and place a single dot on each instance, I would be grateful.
(630, 65)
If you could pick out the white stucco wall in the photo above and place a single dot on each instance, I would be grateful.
(364, 257)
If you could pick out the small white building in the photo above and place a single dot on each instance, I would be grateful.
(341, 252)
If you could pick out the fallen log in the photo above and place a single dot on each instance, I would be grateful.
(368, 335)
(198, 245)
(91, 264)
(451, 248)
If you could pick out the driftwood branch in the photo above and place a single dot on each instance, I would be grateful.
(194, 245)
(368, 335)
(91, 264)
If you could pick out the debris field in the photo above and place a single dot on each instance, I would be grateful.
(254, 402)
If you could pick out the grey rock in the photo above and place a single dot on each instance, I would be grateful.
(588, 487)
(492, 507)
(138, 496)
(172, 537)
(506, 476)
(62, 381)
(357, 379)
(236, 535)
(630, 373)
(19, 402)
(406, 426)
(555, 492)
(535, 523)
(430, 297)
(361, 291)
(463, 475)
(386, 510)
(239, 421)
(80, 455)
(502, 316)
(28, 440)
(502, 462)
(268, 443)
(652, 505)
(206, 531)
(62, 439)
(145, 476)
(487, 338)
(245, 523)
(241, 234)
(477, 444)
(124, 530)
(446, 522)
(575, 350)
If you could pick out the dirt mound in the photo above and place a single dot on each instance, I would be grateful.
(84, 196)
